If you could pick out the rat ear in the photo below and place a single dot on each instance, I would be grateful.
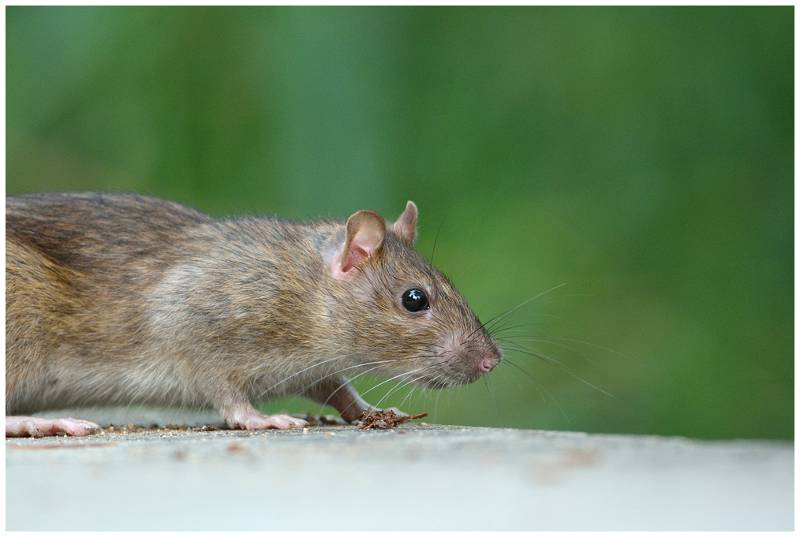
(365, 233)
(406, 225)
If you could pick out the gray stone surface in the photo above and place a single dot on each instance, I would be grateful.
(414, 477)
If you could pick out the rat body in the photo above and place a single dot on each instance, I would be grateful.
(120, 299)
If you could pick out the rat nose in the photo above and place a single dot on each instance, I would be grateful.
(489, 359)
(487, 364)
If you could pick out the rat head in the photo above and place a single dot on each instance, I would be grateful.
(403, 315)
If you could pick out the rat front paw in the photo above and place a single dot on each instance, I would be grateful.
(256, 422)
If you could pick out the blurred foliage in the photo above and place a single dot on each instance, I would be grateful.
(644, 156)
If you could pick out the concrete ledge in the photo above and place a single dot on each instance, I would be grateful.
(414, 477)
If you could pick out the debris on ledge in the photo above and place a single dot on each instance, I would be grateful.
(385, 419)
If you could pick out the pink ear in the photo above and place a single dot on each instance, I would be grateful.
(365, 233)
(406, 225)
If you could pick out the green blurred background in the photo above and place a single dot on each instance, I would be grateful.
(643, 156)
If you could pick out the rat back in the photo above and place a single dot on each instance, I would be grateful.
(77, 266)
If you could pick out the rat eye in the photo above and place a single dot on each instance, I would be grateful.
(415, 300)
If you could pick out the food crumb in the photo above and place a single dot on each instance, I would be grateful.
(385, 419)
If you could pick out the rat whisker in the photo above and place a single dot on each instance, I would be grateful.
(400, 384)
(343, 384)
(403, 380)
(436, 238)
(564, 369)
(436, 403)
(384, 382)
(501, 326)
(431, 387)
(548, 341)
(500, 329)
(593, 345)
(413, 390)
(338, 371)
(501, 316)
(491, 394)
(515, 347)
(505, 314)
(542, 390)
(303, 371)
(407, 382)
(408, 395)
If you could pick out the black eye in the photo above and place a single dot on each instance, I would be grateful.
(415, 300)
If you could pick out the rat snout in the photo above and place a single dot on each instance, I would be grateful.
(472, 356)
(489, 360)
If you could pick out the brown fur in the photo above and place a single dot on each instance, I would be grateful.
(114, 298)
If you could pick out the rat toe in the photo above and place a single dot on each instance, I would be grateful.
(291, 421)
(76, 427)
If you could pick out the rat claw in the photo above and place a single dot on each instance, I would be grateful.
(295, 422)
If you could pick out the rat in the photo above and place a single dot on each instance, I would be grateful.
(123, 299)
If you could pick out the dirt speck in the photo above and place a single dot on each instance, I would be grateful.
(235, 447)
(568, 461)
